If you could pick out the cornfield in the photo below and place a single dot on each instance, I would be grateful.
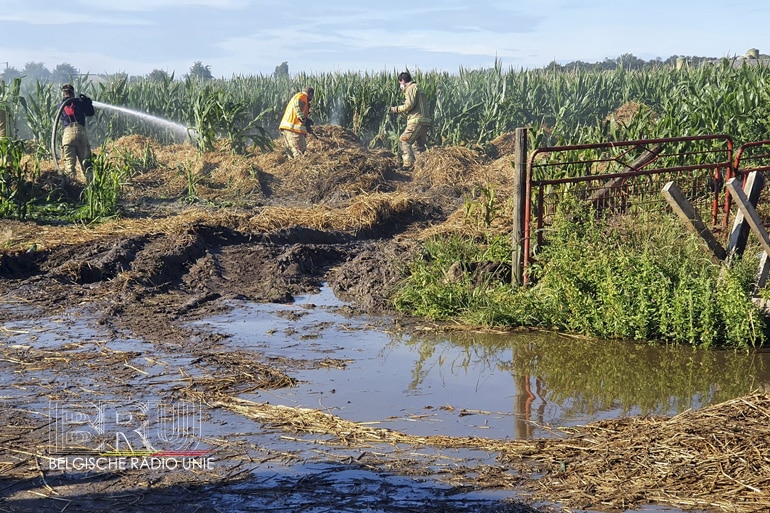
(471, 107)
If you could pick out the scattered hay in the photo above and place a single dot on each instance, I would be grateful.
(714, 458)
(227, 176)
(626, 113)
(329, 137)
(335, 168)
(273, 158)
(371, 211)
(237, 373)
(365, 212)
(451, 166)
(137, 145)
(316, 178)
(504, 144)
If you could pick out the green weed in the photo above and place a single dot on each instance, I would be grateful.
(638, 279)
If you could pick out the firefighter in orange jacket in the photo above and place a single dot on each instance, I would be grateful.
(294, 124)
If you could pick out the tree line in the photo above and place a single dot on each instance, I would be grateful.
(66, 72)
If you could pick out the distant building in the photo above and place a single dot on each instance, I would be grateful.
(752, 57)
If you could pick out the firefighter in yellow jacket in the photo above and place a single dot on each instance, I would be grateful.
(418, 121)
(294, 124)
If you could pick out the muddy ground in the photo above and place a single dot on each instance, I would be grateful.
(201, 233)
(197, 234)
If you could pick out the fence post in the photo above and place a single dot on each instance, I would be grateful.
(739, 235)
(519, 199)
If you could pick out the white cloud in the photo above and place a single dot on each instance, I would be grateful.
(68, 17)
(155, 5)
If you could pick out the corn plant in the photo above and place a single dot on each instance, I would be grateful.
(481, 206)
(102, 193)
(12, 103)
(192, 178)
(205, 113)
(40, 109)
(238, 129)
(138, 164)
(16, 190)
(470, 107)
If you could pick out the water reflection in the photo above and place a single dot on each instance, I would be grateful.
(511, 385)
(590, 379)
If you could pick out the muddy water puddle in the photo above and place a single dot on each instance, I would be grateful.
(493, 385)
(512, 385)
(368, 370)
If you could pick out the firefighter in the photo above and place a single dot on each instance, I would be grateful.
(418, 121)
(75, 146)
(295, 122)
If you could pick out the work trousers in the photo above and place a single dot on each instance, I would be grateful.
(296, 143)
(75, 148)
(413, 143)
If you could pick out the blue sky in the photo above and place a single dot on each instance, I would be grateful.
(242, 37)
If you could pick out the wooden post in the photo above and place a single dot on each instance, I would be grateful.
(689, 216)
(742, 202)
(519, 199)
(740, 233)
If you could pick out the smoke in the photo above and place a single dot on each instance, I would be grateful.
(336, 111)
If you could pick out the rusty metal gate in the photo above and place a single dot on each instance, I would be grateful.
(626, 178)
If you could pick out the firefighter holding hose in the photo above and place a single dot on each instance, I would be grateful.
(75, 146)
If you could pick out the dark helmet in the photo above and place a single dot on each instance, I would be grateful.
(68, 88)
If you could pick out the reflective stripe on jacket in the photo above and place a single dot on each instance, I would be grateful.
(296, 114)
(415, 105)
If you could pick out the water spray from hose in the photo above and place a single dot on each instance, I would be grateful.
(177, 128)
